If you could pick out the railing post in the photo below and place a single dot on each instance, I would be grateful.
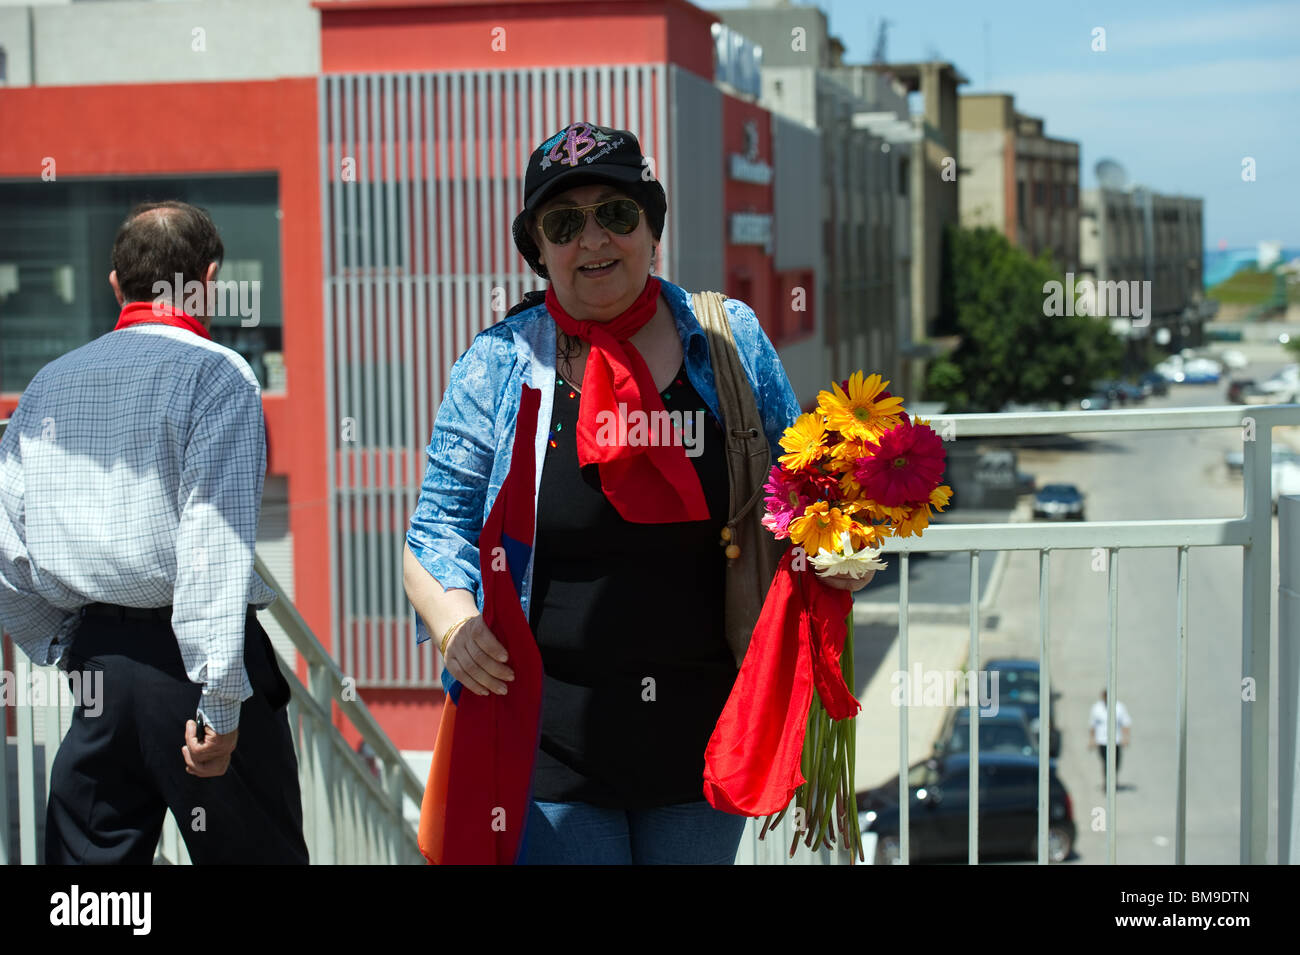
(322, 689)
(5, 822)
(1288, 671)
(26, 768)
(1256, 575)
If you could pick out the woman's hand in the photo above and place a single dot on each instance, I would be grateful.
(845, 582)
(476, 658)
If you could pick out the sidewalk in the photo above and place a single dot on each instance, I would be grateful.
(933, 645)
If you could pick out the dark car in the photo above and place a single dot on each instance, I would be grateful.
(939, 810)
(1064, 501)
(1153, 383)
(1237, 389)
(1006, 731)
(1018, 686)
(1118, 393)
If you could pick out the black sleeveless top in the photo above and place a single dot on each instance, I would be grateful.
(629, 621)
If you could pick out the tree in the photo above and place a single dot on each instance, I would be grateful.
(1010, 350)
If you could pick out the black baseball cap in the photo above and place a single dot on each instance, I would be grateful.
(578, 155)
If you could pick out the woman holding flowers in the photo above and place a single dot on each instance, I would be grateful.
(624, 589)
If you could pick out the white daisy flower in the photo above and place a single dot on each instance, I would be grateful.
(855, 564)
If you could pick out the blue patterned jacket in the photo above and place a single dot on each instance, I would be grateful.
(473, 433)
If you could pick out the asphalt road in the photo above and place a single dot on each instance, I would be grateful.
(1145, 476)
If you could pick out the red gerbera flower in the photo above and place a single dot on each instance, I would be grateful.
(907, 466)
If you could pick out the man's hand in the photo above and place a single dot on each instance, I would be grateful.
(212, 756)
(845, 582)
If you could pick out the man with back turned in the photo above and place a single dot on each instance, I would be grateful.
(130, 488)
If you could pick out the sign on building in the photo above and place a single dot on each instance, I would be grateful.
(737, 61)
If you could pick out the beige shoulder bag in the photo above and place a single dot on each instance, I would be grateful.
(750, 573)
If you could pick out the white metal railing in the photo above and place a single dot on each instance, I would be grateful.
(349, 815)
(1251, 531)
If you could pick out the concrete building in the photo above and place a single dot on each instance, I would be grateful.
(866, 139)
(1018, 180)
(933, 195)
(1132, 234)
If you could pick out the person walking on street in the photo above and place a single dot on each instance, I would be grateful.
(130, 489)
(1097, 727)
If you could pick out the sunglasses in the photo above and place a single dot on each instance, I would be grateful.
(563, 225)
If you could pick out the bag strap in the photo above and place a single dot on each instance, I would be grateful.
(745, 437)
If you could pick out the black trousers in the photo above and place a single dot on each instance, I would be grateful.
(118, 772)
(1119, 751)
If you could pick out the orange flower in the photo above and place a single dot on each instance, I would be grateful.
(862, 411)
(805, 440)
(819, 528)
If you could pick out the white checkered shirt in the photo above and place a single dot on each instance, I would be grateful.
(131, 473)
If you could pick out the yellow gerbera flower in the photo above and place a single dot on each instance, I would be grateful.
(867, 535)
(940, 496)
(820, 527)
(805, 440)
(860, 413)
(845, 454)
(917, 519)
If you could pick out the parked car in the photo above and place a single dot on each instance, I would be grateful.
(1118, 393)
(1236, 459)
(1201, 371)
(1018, 685)
(1283, 387)
(939, 810)
(1006, 731)
(1234, 358)
(1095, 402)
(1154, 383)
(1063, 501)
(1236, 387)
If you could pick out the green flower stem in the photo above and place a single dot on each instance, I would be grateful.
(846, 661)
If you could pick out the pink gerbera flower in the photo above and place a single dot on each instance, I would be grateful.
(906, 467)
(787, 496)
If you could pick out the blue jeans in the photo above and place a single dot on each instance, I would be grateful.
(575, 833)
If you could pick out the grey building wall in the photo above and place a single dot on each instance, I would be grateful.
(147, 41)
(16, 41)
(695, 206)
(774, 29)
(1139, 235)
(797, 242)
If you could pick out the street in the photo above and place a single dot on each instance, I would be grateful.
(1133, 476)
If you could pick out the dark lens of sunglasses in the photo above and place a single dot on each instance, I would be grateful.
(619, 216)
(562, 225)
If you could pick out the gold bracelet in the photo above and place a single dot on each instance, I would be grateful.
(446, 637)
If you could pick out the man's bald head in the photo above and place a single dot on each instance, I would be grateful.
(160, 239)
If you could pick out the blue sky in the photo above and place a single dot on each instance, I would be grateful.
(1183, 92)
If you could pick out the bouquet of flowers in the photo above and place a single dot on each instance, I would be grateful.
(856, 471)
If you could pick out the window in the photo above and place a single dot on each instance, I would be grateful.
(1040, 194)
(54, 265)
(1021, 215)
